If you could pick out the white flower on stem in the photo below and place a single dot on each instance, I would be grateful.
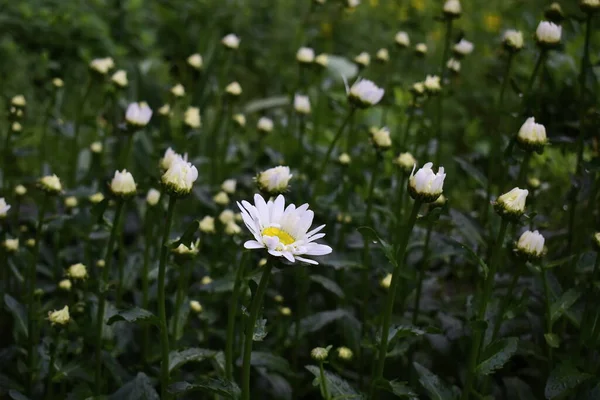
(381, 138)
(102, 65)
(463, 48)
(192, 117)
(453, 65)
(402, 39)
(119, 78)
(71, 202)
(432, 84)
(168, 158)
(452, 8)
(512, 204)
(352, 4)
(274, 180)
(4, 207)
(153, 197)
(232, 229)
(282, 231)
(77, 271)
(532, 136)
(589, 6)
(178, 90)
(363, 59)
(180, 177)
(96, 198)
(426, 185)
(165, 110)
(195, 61)
(50, 184)
(513, 40)
(364, 93)
(229, 185)
(11, 245)
(226, 216)
(138, 115)
(65, 285)
(221, 198)
(239, 119)
(344, 159)
(207, 224)
(319, 353)
(305, 55)
(123, 184)
(189, 251)
(383, 55)
(233, 89)
(322, 60)
(58, 83)
(20, 190)
(195, 306)
(301, 104)
(18, 101)
(16, 127)
(421, 49)
(206, 280)
(100, 263)
(531, 245)
(59, 317)
(231, 41)
(96, 147)
(344, 353)
(548, 34)
(406, 161)
(265, 125)
(418, 88)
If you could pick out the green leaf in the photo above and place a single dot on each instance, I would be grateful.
(482, 264)
(263, 104)
(99, 209)
(16, 395)
(270, 361)
(260, 330)
(565, 302)
(317, 321)
(177, 358)
(562, 380)
(140, 388)
(338, 67)
(328, 284)
(400, 389)
(552, 340)
(135, 314)
(338, 387)
(219, 387)
(188, 235)
(467, 227)
(387, 248)
(66, 371)
(472, 171)
(19, 313)
(436, 389)
(402, 331)
(496, 354)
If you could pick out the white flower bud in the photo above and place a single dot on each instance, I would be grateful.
(305, 55)
(4, 207)
(180, 177)
(301, 104)
(344, 159)
(512, 204)
(195, 306)
(418, 88)
(119, 78)
(352, 4)
(421, 49)
(381, 138)
(60, 317)
(168, 158)
(71, 202)
(463, 48)
(240, 119)
(589, 6)
(432, 84)
(206, 280)
(265, 125)
(453, 65)
(402, 39)
(233, 89)
(184, 250)
(100, 264)
(386, 281)
(65, 285)
(548, 34)
(278, 298)
(513, 40)
(406, 161)
(363, 59)
(221, 199)
(153, 197)
(16, 127)
(452, 8)
(226, 216)
(322, 60)
(30, 243)
(207, 224)
(77, 271)
(20, 190)
(96, 147)
(383, 55)
(138, 115)
(426, 185)
(178, 90)
(195, 61)
(123, 184)
(96, 198)
(344, 353)
(50, 184)
(531, 245)
(285, 311)
(319, 353)
(274, 180)
(102, 65)
(532, 136)
(165, 110)
(229, 186)
(18, 101)
(192, 117)
(231, 41)
(232, 229)
(364, 93)
(11, 245)
(58, 83)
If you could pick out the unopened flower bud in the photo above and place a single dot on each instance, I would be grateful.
(319, 353)
(192, 117)
(301, 104)
(195, 306)
(195, 61)
(153, 197)
(207, 224)
(229, 185)
(554, 13)
(178, 90)
(232, 229)
(180, 177)
(532, 136)
(453, 65)
(285, 311)
(402, 39)
(381, 138)
(65, 285)
(20, 190)
(102, 65)
(165, 110)
(123, 184)
(231, 41)
(305, 55)
(240, 119)
(386, 281)
(364, 93)
(344, 353)
(548, 34)
(274, 180)
(421, 49)
(77, 271)
(589, 6)
(71, 202)
(206, 280)
(264, 125)
(59, 317)
(432, 84)
(138, 115)
(96, 147)
(100, 264)
(452, 9)
(234, 89)
(530, 245)
(221, 198)
(383, 55)
(344, 159)
(512, 204)
(363, 59)
(96, 198)
(513, 40)
(11, 245)
(426, 185)
(322, 60)
(463, 48)
(58, 83)
(119, 78)
(50, 184)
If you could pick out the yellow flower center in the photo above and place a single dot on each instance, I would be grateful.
(283, 236)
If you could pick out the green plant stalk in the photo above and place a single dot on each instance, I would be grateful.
(43, 144)
(338, 135)
(399, 205)
(391, 296)
(31, 280)
(483, 303)
(222, 161)
(53, 355)
(586, 327)
(214, 162)
(440, 99)
(421, 273)
(548, 301)
(301, 134)
(148, 224)
(124, 162)
(302, 285)
(324, 388)
(162, 311)
(254, 310)
(5, 158)
(233, 305)
(182, 283)
(506, 301)
(409, 122)
(524, 168)
(76, 130)
(102, 288)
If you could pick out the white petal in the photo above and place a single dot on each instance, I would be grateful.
(306, 260)
(253, 244)
(315, 249)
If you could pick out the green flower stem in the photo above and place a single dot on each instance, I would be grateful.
(302, 279)
(214, 158)
(440, 99)
(5, 159)
(254, 310)
(524, 168)
(301, 134)
(148, 228)
(32, 316)
(587, 321)
(53, 355)
(338, 135)
(222, 161)
(483, 303)
(233, 307)
(505, 301)
(120, 264)
(74, 152)
(400, 205)
(102, 289)
(548, 301)
(391, 296)
(409, 122)
(536, 69)
(126, 152)
(162, 312)
(421, 273)
(324, 388)
(43, 142)
(182, 284)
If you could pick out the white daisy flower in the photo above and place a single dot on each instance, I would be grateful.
(283, 231)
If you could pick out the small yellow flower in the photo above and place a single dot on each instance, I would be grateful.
(77, 271)
(60, 317)
(207, 280)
